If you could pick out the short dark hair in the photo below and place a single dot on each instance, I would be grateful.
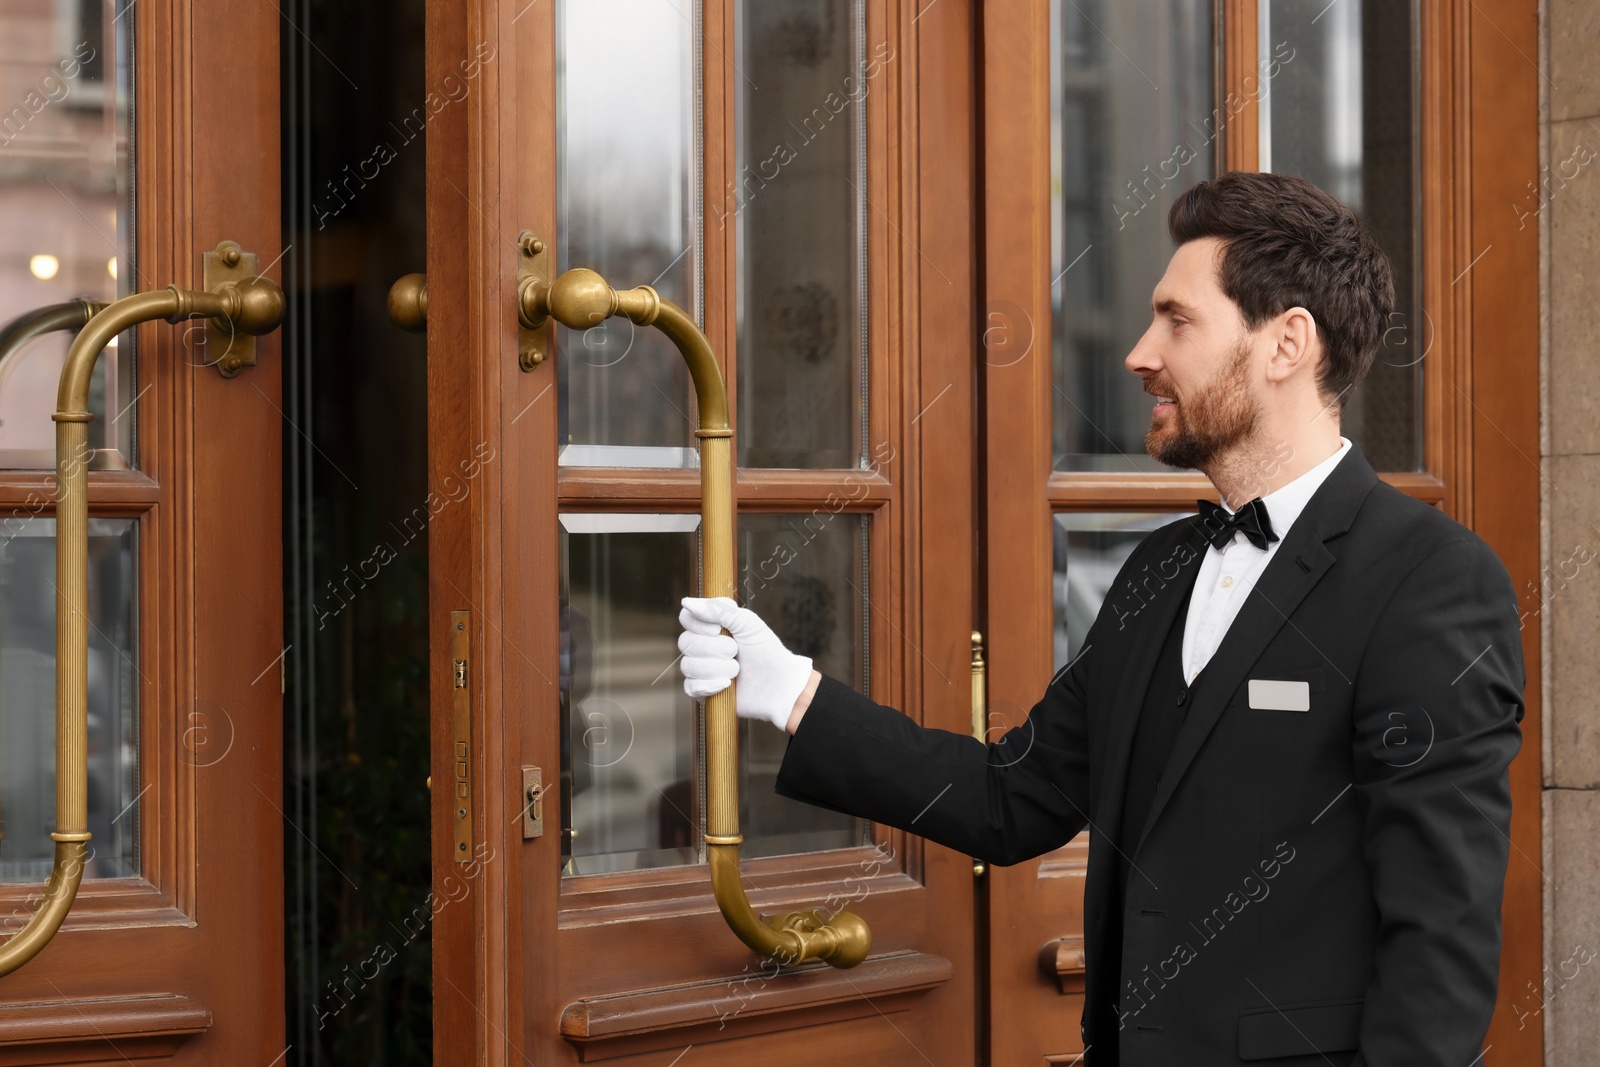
(1289, 244)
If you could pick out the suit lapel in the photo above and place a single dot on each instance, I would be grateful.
(1295, 569)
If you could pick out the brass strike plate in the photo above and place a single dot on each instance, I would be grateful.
(532, 803)
(461, 733)
(533, 286)
(228, 349)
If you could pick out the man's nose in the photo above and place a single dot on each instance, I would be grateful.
(1144, 359)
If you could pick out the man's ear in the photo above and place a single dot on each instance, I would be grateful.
(1296, 344)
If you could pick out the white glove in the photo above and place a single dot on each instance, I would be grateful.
(771, 678)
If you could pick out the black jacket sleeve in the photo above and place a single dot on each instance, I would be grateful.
(1005, 802)
(1437, 702)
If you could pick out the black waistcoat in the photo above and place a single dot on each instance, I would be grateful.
(1157, 729)
(1165, 703)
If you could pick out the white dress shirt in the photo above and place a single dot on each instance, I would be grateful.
(1228, 574)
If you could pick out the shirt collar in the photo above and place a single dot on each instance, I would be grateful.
(1285, 503)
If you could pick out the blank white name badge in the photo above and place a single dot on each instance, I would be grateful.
(1268, 695)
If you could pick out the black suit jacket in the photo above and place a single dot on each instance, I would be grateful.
(1309, 887)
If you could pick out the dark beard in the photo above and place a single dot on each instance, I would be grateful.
(1212, 422)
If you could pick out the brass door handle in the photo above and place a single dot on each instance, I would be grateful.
(980, 713)
(235, 302)
(73, 315)
(581, 299)
(408, 303)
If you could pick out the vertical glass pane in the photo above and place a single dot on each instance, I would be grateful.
(1090, 547)
(28, 699)
(1343, 114)
(632, 787)
(799, 208)
(629, 753)
(628, 173)
(66, 197)
(806, 576)
(1133, 124)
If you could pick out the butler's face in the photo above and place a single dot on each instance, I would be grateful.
(1197, 360)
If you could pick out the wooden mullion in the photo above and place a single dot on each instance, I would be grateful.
(456, 559)
(1241, 86)
(1018, 1018)
(675, 888)
(1154, 491)
(1172, 490)
(1445, 248)
(620, 489)
(25, 494)
(1422, 486)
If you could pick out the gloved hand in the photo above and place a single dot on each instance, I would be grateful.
(771, 677)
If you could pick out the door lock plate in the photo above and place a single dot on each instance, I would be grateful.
(460, 799)
(532, 803)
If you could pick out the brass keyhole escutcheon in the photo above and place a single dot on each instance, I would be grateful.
(533, 790)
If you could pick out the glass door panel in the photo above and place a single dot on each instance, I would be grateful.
(799, 208)
(28, 690)
(1343, 112)
(805, 576)
(1336, 92)
(630, 154)
(628, 172)
(632, 777)
(1089, 549)
(631, 766)
(66, 194)
(1133, 123)
(66, 197)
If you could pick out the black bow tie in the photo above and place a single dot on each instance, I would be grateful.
(1250, 520)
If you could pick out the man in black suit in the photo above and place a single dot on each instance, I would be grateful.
(1289, 727)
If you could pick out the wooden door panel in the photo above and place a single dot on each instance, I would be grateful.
(1029, 1016)
(1032, 905)
(631, 965)
(185, 959)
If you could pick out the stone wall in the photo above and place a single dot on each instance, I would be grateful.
(1569, 220)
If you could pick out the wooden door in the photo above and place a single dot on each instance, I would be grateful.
(798, 177)
(142, 136)
(1095, 116)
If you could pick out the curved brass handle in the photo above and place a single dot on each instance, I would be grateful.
(580, 299)
(251, 305)
(73, 315)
